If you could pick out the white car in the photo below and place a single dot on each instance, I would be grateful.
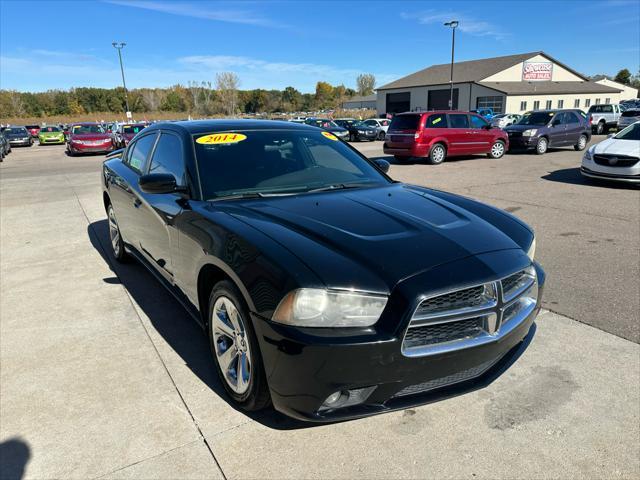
(381, 123)
(616, 158)
(505, 119)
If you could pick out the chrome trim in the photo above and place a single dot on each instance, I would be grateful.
(491, 333)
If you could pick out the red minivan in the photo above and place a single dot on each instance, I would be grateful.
(440, 134)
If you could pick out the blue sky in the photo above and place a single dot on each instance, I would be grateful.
(63, 44)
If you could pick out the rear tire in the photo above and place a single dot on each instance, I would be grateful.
(437, 154)
(381, 135)
(235, 348)
(497, 150)
(542, 146)
(582, 143)
(117, 244)
(600, 128)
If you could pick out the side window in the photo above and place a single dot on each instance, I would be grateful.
(137, 156)
(477, 122)
(458, 120)
(571, 118)
(385, 123)
(607, 108)
(559, 119)
(168, 157)
(436, 121)
(371, 123)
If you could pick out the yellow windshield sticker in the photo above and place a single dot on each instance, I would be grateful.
(330, 136)
(221, 138)
(437, 120)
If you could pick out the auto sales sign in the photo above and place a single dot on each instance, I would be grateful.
(537, 71)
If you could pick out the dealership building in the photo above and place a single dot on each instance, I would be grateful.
(510, 84)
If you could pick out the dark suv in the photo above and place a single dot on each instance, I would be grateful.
(542, 129)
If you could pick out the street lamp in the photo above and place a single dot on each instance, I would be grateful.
(453, 24)
(119, 47)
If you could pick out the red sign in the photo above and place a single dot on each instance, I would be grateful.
(537, 71)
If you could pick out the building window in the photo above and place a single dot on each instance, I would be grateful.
(560, 103)
(597, 101)
(607, 100)
(494, 103)
(576, 103)
(587, 102)
(548, 105)
(536, 105)
(523, 106)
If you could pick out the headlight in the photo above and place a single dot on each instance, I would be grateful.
(362, 131)
(529, 133)
(314, 307)
(79, 142)
(588, 155)
(532, 249)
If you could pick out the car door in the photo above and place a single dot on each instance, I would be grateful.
(557, 127)
(158, 211)
(573, 128)
(481, 135)
(124, 186)
(458, 134)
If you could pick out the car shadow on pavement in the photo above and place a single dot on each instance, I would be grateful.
(174, 324)
(14, 456)
(187, 339)
(574, 177)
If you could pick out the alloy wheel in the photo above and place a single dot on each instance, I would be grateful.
(542, 145)
(114, 232)
(582, 142)
(438, 154)
(231, 344)
(497, 150)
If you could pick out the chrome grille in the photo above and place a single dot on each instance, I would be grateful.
(609, 160)
(470, 316)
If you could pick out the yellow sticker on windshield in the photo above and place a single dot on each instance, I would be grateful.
(220, 138)
(437, 120)
(330, 136)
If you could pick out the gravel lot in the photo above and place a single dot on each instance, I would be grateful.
(105, 376)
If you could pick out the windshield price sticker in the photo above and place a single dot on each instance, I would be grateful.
(437, 120)
(221, 138)
(330, 136)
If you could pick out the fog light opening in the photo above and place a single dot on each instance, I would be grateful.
(346, 398)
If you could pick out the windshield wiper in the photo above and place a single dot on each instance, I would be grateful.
(338, 186)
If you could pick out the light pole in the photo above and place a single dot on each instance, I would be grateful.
(119, 47)
(453, 24)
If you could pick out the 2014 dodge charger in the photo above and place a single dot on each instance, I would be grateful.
(325, 287)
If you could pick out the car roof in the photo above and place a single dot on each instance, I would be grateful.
(206, 126)
(438, 112)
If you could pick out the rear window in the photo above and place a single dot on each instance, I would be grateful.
(631, 113)
(133, 128)
(436, 121)
(601, 109)
(405, 122)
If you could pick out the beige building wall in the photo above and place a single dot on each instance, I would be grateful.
(513, 101)
(514, 74)
(628, 92)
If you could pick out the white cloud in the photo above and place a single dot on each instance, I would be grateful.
(471, 26)
(200, 10)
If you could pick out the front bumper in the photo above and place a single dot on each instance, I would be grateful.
(303, 367)
(521, 142)
(615, 177)
(20, 143)
(105, 148)
(51, 141)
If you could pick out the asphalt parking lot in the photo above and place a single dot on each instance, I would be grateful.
(103, 375)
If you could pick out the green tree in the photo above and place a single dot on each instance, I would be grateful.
(291, 99)
(324, 95)
(623, 76)
(173, 102)
(365, 83)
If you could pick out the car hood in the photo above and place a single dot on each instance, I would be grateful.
(620, 147)
(50, 134)
(522, 128)
(375, 236)
(336, 129)
(90, 136)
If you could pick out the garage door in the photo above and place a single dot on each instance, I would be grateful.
(398, 102)
(439, 99)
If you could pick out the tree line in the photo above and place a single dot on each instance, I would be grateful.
(197, 98)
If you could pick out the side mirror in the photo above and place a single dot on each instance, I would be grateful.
(158, 183)
(487, 127)
(555, 123)
(382, 164)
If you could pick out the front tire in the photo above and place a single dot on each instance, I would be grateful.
(117, 244)
(235, 348)
(381, 135)
(542, 146)
(497, 150)
(437, 154)
(582, 143)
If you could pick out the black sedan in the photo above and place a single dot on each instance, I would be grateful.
(358, 131)
(329, 126)
(18, 136)
(325, 288)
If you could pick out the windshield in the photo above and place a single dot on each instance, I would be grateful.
(133, 128)
(321, 122)
(15, 131)
(404, 122)
(49, 129)
(536, 118)
(83, 129)
(279, 161)
(632, 132)
(631, 113)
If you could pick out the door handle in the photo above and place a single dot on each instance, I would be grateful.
(137, 203)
